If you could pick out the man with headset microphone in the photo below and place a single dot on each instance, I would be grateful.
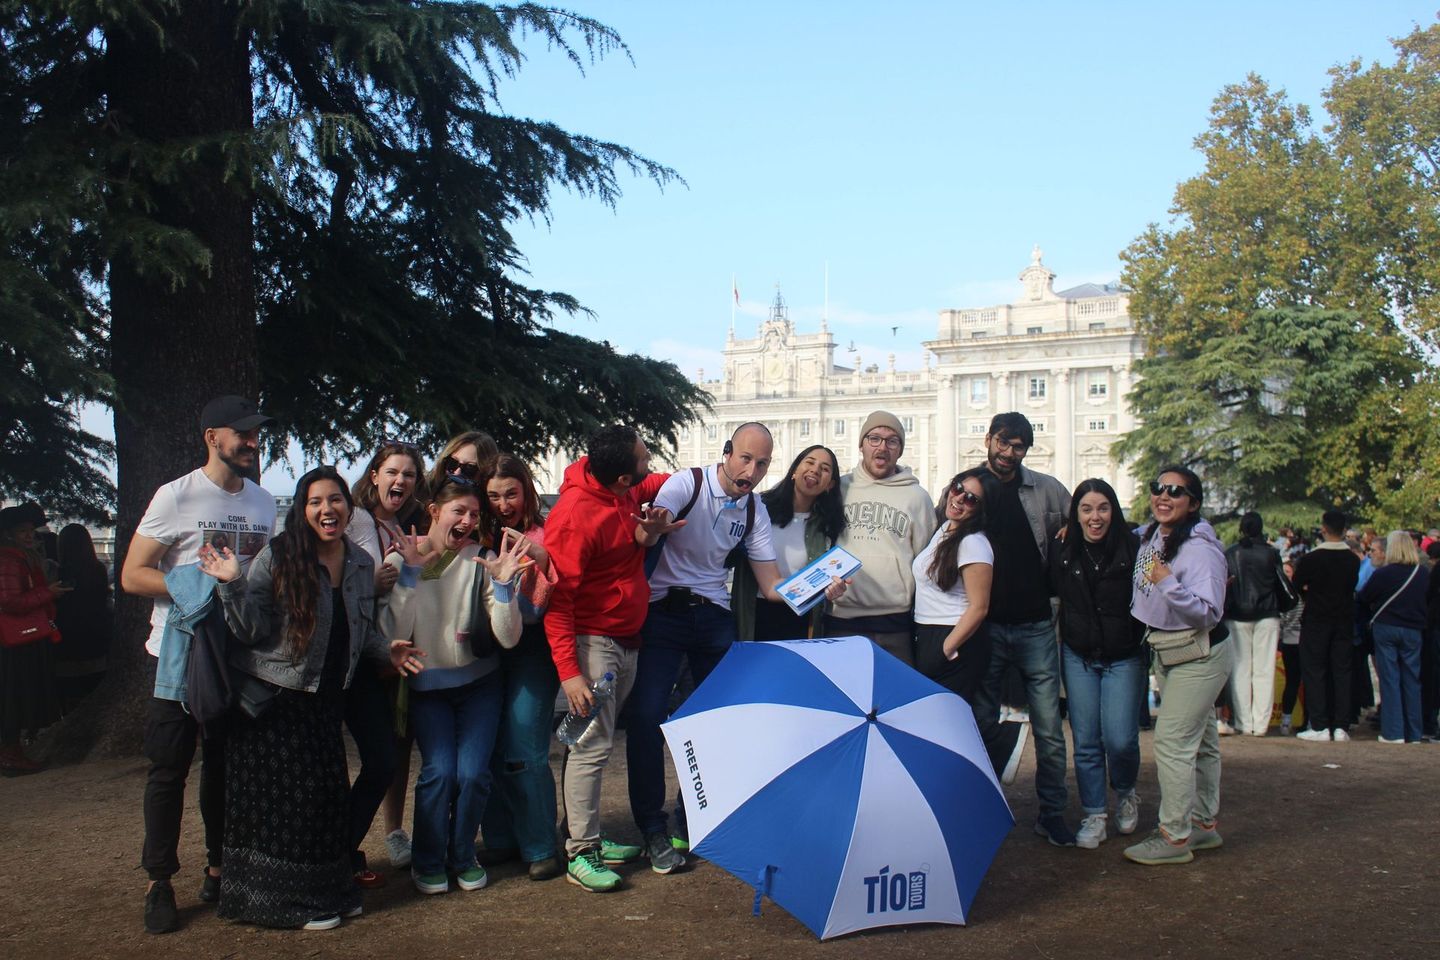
(689, 616)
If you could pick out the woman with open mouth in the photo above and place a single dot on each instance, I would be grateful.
(520, 818)
(1179, 595)
(806, 518)
(303, 617)
(1101, 656)
(459, 605)
(387, 500)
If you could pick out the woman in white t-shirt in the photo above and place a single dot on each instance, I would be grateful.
(806, 515)
(952, 588)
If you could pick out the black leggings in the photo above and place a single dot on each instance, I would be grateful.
(1290, 657)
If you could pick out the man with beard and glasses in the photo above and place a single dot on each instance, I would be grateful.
(596, 536)
(889, 520)
(219, 501)
(1025, 514)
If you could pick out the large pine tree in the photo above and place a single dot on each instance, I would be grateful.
(306, 201)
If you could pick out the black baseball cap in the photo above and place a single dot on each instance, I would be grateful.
(234, 412)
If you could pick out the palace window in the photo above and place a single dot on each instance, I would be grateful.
(980, 390)
(712, 432)
(804, 428)
(1097, 384)
(1097, 424)
(1031, 331)
(908, 423)
(839, 428)
(1037, 388)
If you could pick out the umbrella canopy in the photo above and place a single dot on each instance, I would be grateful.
(853, 791)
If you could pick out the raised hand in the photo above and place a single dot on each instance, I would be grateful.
(652, 523)
(409, 546)
(532, 549)
(221, 564)
(503, 566)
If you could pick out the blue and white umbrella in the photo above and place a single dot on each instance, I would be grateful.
(835, 779)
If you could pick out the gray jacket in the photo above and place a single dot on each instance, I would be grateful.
(250, 611)
(1046, 503)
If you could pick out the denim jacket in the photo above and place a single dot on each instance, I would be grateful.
(260, 629)
(191, 592)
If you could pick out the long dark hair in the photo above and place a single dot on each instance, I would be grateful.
(365, 495)
(1182, 530)
(511, 468)
(944, 568)
(829, 508)
(294, 556)
(1116, 538)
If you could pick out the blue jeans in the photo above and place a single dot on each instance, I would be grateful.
(1034, 651)
(455, 729)
(521, 813)
(1105, 721)
(702, 634)
(1397, 660)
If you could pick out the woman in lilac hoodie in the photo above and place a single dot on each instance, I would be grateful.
(1180, 585)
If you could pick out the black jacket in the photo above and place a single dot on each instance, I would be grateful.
(1095, 619)
(1253, 591)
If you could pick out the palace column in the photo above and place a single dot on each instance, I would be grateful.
(1064, 429)
(947, 426)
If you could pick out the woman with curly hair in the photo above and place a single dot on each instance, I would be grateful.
(303, 616)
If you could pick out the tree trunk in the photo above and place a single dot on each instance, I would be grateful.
(174, 343)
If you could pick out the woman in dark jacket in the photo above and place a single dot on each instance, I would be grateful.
(1395, 599)
(1101, 658)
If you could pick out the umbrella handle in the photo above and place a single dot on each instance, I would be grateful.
(762, 886)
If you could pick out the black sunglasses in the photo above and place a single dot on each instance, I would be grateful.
(966, 497)
(466, 471)
(1170, 489)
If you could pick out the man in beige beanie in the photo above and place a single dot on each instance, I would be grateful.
(889, 519)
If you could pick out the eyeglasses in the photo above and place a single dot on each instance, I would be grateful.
(468, 472)
(1015, 446)
(966, 497)
(875, 440)
(1171, 490)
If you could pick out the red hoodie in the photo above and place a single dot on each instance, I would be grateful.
(601, 590)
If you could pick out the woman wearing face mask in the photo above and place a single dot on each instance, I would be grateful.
(460, 608)
(303, 618)
(952, 588)
(806, 518)
(387, 500)
(1100, 655)
(520, 818)
(1179, 595)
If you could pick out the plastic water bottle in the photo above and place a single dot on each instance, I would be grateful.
(575, 725)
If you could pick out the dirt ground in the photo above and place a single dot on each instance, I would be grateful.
(1330, 852)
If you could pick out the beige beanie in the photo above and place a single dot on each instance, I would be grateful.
(883, 418)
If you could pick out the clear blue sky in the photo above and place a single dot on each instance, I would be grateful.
(920, 148)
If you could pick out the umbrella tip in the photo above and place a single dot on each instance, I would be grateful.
(871, 717)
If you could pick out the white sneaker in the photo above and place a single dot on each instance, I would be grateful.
(1127, 813)
(397, 842)
(1339, 736)
(1092, 831)
(1313, 736)
(1012, 763)
(1224, 729)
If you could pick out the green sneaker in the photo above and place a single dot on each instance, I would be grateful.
(472, 878)
(1203, 837)
(430, 882)
(1158, 849)
(616, 853)
(588, 872)
(680, 844)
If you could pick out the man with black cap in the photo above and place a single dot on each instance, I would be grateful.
(889, 519)
(216, 502)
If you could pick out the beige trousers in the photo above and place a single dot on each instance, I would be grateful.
(585, 762)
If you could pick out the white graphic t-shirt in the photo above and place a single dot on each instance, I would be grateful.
(187, 513)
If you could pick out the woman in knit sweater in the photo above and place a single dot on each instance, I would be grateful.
(459, 607)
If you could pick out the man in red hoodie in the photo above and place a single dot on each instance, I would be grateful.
(596, 537)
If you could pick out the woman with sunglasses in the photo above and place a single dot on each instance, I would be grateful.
(466, 455)
(459, 606)
(952, 588)
(301, 619)
(1101, 655)
(387, 500)
(520, 818)
(807, 516)
(1179, 595)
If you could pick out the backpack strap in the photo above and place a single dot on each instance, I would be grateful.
(652, 553)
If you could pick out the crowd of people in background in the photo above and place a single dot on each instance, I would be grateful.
(444, 608)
